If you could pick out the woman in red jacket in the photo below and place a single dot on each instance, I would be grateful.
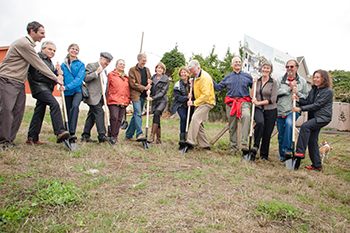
(118, 97)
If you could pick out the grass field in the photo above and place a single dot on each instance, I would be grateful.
(48, 189)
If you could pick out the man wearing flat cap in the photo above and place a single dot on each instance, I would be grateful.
(93, 72)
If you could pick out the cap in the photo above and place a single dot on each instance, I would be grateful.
(106, 55)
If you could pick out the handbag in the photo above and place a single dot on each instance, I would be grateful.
(84, 91)
(124, 124)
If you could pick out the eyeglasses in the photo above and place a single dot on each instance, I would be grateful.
(289, 67)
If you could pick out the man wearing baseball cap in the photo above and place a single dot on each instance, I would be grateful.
(93, 71)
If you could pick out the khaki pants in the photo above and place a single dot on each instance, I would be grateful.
(196, 130)
(233, 122)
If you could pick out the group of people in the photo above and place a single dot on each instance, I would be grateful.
(194, 98)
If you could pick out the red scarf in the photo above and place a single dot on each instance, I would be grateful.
(236, 105)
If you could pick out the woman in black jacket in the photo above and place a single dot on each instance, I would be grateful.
(319, 105)
(159, 92)
(181, 91)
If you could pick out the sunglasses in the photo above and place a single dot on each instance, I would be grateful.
(289, 67)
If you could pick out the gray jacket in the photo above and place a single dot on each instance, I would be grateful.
(284, 94)
(159, 93)
(93, 83)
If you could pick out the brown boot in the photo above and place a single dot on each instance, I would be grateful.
(153, 132)
(158, 141)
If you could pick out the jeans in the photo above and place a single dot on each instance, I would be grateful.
(136, 119)
(285, 127)
(72, 106)
(182, 111)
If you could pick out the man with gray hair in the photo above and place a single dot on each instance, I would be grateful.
(204, 101)
(237, 102)
(287, 85)
(42, 88)
(93, 74)
(139, 82)
(13, 75)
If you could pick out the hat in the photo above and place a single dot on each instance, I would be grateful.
(106, 55)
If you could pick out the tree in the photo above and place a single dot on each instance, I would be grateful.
(341, 85)
(218, 70)
(172, 60)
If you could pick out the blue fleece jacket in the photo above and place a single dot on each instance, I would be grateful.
(73, 76)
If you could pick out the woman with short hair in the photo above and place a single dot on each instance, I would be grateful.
(319, 105)
(159, 91)
(181, 90)
(73, 73)
(118, 97)
(265, 109)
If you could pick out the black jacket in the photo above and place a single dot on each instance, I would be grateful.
(39, 82)
(181, 90)
(318, 104)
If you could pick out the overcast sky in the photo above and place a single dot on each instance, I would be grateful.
(318, 30)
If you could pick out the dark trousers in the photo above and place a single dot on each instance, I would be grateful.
(95, 115)
(12, 105)
(45, 98)
(182, 111)
(265, 122)
(308, 136)
(116, 114)
(72, 106)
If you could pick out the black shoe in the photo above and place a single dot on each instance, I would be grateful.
(282, 159)
(287, 155)
(87, 139)
(106, 139)
(73, 137)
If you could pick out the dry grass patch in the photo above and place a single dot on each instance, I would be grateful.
(128, 189)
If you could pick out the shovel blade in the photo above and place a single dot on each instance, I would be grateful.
(67, 144)
(246, 155)
(146, 145)
(293, 163)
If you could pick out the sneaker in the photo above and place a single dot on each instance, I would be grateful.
(282, 159)
(264, 160)
(314, 168)
(62, 136)
(299, 155)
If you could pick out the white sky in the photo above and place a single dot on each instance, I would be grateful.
(318, 30)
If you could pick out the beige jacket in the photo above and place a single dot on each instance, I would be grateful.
(20, 55)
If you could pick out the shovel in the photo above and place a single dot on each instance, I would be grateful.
(70, 143)
(145, 143)
(249, 154)
(293, 163)
(183, 149)
(110, 141)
